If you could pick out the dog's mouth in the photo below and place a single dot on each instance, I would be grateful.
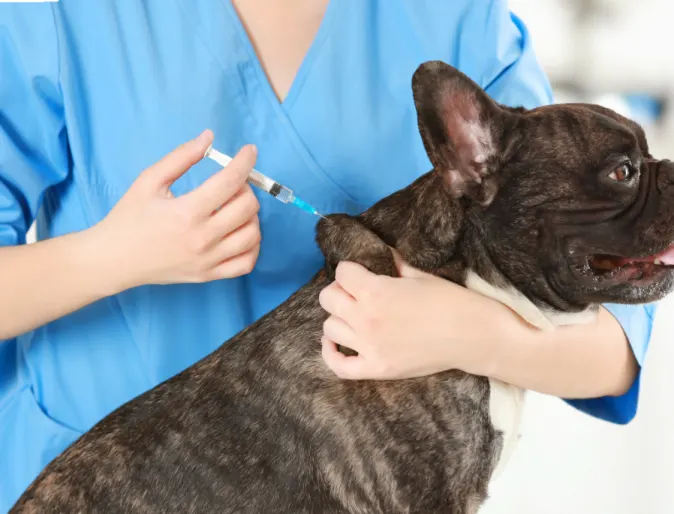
(606, 266)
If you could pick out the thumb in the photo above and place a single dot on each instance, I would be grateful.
(175, 164)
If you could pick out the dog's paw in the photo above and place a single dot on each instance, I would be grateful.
(344, 238)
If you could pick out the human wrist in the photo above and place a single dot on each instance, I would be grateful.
(100, 263)
(494, 336)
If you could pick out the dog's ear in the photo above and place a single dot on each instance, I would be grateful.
(461, 128)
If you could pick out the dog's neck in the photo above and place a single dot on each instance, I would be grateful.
(484, 276)
(430, 235)
(543, 319)
(422, 222)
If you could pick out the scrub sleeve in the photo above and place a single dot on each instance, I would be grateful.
(637, 323)
(33, 157)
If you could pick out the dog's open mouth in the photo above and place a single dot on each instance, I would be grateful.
(608, 266)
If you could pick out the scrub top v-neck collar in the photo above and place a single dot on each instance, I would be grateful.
(209, 18)
(305, 66)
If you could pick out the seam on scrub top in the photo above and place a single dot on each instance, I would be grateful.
(16, 378)
(247, 45)
(302, 148)
(314, 49)
(198, 28)
(299, 146)
(58, 55)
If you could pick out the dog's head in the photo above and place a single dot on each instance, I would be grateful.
(565, 200)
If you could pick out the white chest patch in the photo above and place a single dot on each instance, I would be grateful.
(506, 402)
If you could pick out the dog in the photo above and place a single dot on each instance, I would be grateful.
(551, 211)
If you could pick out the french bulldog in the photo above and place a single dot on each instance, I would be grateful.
(551, 211)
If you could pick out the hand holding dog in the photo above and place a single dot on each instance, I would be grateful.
(419, 324)
(404, 327)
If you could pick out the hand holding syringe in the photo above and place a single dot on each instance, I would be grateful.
(265, 183)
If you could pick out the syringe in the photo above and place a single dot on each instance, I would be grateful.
(278, 191)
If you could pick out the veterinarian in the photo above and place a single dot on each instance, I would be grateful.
(149, 257)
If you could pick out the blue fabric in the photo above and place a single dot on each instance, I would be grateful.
(637, 323)
(94, 92)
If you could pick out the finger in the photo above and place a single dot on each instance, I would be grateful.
(243, 207)
(236, 266)
(404, 269)
(353, 278)
(222, 186)
(338, 331)
(337, 302)
(242, 240)
(175, 164)
(350, 367)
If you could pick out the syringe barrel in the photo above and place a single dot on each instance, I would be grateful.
(278, 191)
(256, 178)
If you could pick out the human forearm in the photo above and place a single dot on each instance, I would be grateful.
(420, 324)
(149, 237)
(50, 279)
(580, 361)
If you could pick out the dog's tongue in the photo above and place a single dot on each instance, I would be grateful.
(667, 257)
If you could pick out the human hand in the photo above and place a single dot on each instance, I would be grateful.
(210, 233)
(403, 327)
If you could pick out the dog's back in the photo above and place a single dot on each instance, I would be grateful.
(261, 426)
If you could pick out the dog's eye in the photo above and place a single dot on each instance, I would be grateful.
(622, 173)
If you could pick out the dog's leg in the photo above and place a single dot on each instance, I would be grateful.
(344, 238)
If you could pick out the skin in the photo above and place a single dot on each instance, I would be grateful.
(582, 361)
(180, 241)
(149, 237)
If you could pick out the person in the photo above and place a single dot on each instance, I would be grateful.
(148, 257)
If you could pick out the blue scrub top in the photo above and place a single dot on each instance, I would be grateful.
(94, 92)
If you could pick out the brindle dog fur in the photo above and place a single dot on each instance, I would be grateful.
(519, 197)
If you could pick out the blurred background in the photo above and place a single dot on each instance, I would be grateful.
(617, 53)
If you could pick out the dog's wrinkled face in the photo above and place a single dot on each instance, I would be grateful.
(566, 199)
